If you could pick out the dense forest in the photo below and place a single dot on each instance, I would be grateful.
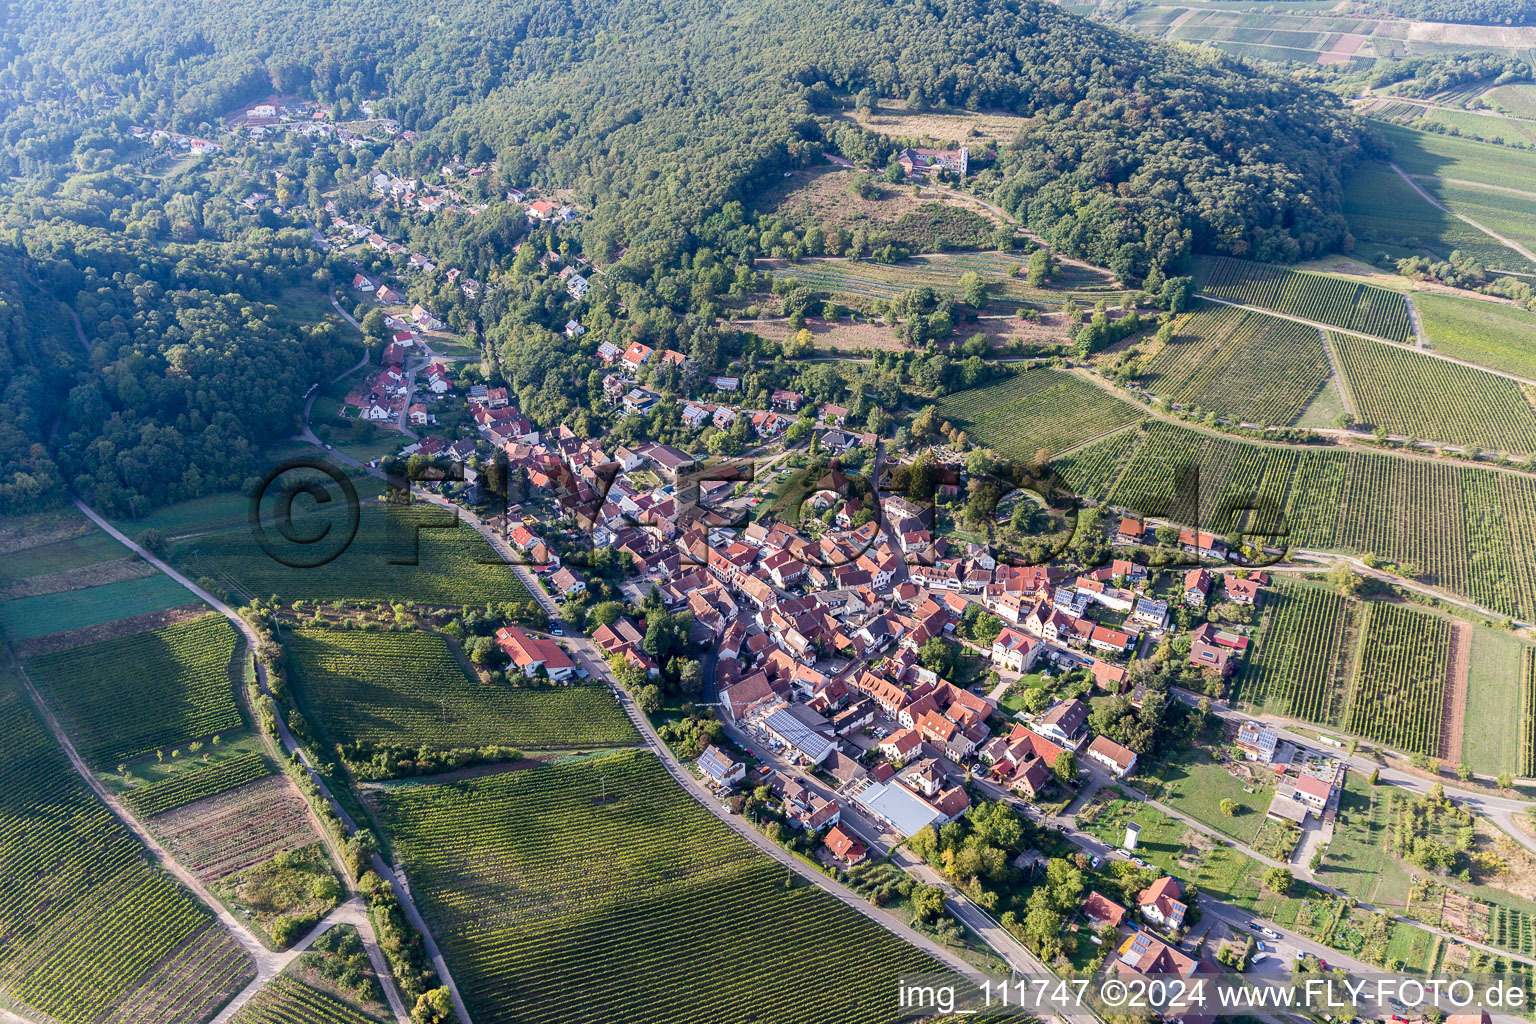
(660, 114)
(664, 122)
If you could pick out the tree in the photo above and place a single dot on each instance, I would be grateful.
(1042, 268)
(434, 1007)
(1167, 536)
(1464, 772)
(927, 902)
(605, 613)
(1230, 807)
(1065, 767)
(973, 289)
(649, 698)
(1343, 578)
(1278, 881)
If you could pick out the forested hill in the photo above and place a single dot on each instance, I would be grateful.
(659, 112)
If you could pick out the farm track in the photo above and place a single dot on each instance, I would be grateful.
(1437, 204)
(1458, 662)
(1369, 337)
(267, 958)
(1338, 377)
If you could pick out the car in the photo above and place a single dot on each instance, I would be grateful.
(1270, 933)
(1255, 926)
(556, 631)
(1322, 963)
(329, 448)
(1263, 947)
(1095, 862)
(1258, 958)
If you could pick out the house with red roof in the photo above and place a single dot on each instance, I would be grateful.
(1160, 903)
(843, 846)
(532, 653)
(1100, 911)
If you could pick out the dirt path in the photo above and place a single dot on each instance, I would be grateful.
(1453, 717)
(1370, 337)
(290, 745)
(1432, 201)
(1338, 374)
(1346, 437)
(1475, 184)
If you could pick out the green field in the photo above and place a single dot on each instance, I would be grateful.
(1518, 98)
(406, 689)
(1248, 367)
(133, 695)
(1490, 741)
(1399, 692)
(60, 556)
(1035, 409)
(1447, 156)
(1384, 210)
(91, 929)
(1357, 860)
(1300, 664)
(195, 783)
(452, 567)
(1489, 334)
(1195, 785)
(598, 891)
(286, 1001)
(1417, 395)
(28, 617)
(1321, 298)
(864, 279)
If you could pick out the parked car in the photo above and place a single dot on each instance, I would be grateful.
(1270, 933)
(1095, 862)
(556, 631)
(1257, 958)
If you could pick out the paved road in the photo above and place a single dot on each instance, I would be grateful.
(589, 657)
(291, 745)
(361, 362)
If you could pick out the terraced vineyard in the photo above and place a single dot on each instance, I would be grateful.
(864, 279)
(400, 688)
(1317, 297)
(1417, 395)
(286, 1001)
(599, 891)
(196, 783)
(389, 560)
(1399, 693)
(1528, 712)
(1246, 366)
(93, 930)
(1034, 409)
(1301, 663)
(128, 697)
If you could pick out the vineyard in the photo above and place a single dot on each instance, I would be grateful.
(453, 566)
(1246, 366)
(1399, 692)
(285, 1001)
(1417, 395)
(599, 891)
(1090, 471)
(1328, 300)
(407, 689)
(1301, 666)
(1468, 529)
(1035, 409)
(222, 834)
(130, 696)
(195, 784)
(1528, 712)
(90, 927)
